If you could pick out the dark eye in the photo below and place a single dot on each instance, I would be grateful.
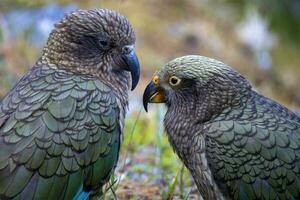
(103, 43)
(174, 80)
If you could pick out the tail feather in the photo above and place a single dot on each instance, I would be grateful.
(82, 195)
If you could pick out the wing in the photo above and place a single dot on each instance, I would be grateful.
(58, 130)
(253, 153)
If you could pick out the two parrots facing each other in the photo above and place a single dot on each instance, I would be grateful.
(60, 125)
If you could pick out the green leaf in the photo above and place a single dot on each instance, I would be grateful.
(172, 186)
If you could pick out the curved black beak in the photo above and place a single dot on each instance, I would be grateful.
(132, 64)
(153, 94)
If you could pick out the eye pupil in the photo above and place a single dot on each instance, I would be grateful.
(174, 80)
(103, 43)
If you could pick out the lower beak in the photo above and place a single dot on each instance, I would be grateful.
(133, 66)
(153, 94)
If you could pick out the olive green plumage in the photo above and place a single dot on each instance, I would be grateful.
(60, 126)
(236, 143)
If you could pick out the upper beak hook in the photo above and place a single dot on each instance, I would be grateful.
(133, 65)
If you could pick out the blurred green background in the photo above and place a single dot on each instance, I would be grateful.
(261, 39)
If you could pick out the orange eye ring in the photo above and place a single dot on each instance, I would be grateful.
(155, 80)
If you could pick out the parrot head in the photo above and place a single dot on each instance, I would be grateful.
(92, 42)
(193, 83)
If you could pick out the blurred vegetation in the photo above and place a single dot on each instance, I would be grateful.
(148, 168)
(283, 16)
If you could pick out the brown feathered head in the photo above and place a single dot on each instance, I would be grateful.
(97, 42)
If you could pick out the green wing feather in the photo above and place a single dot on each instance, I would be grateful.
(253, 152)
(58, 131)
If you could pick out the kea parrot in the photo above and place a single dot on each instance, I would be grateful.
(236, 143)
(61, 125)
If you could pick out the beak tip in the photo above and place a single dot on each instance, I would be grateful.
(133, 66)
(146, 107)
(145, 103)
(146, 99)
(135, 80)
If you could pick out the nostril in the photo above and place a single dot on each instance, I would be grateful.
(126, 49)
